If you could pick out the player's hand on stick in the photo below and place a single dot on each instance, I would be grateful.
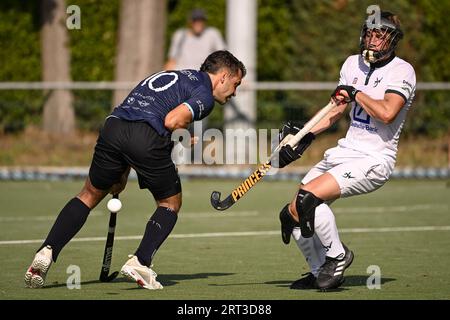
(288, 154)
(290, 128)
(345, 94)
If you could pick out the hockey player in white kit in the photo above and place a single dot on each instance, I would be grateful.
(379, 87)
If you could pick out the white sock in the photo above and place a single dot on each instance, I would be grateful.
(326, 231)
(312, 249)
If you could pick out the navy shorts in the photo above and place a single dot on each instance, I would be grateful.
(124, 143)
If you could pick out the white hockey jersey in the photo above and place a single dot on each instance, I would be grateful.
(366, 134)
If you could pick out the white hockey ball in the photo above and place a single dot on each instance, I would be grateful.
(114, 205)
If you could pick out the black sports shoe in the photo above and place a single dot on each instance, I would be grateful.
(308, 282)
(331, 273)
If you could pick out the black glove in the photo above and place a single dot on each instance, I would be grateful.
(291, 127)
(287, 154)
(351, 91)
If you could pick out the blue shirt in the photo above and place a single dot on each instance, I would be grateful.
(154, 97)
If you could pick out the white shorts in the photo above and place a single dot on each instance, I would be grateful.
(355, 172)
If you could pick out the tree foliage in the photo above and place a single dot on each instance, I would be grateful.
(304, 40)
(20, 61)
(93, 49)
(318, 37)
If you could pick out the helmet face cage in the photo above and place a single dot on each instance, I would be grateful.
(388, 32)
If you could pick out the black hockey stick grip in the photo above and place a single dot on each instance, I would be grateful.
(107, 255)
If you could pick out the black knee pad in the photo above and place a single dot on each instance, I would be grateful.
(287, 224)
(306, 204)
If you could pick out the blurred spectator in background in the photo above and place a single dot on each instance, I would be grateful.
(189, 47)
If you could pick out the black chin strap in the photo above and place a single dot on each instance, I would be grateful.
(382, 63)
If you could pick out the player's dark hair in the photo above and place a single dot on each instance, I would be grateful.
(223, 59)
(391, 17)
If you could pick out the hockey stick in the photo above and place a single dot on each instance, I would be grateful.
(259, 173)
(107, 255)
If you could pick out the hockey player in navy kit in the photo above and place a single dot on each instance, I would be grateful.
(137, 134)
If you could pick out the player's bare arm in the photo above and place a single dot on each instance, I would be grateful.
(385, 109)
(178, 118)
(334, 115)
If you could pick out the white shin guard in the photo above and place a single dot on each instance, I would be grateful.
(326, 230)
(325, 241)
(312, 249)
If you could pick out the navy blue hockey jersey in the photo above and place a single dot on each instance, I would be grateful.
(154, 97)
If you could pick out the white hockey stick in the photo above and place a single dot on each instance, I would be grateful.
(259, 173)
(293, 140)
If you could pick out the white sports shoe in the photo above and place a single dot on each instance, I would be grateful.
(36, 273)
(142, 275)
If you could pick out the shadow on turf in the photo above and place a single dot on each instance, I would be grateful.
(166, 280)
(59, 285)
(172, 279)
(350, 281)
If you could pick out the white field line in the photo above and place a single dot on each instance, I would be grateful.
(95, 213)
(418, 207)
(189, 215)
(243, 234)
(215, 214)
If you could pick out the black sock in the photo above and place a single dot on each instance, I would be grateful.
(69, 221)
(157, 230)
